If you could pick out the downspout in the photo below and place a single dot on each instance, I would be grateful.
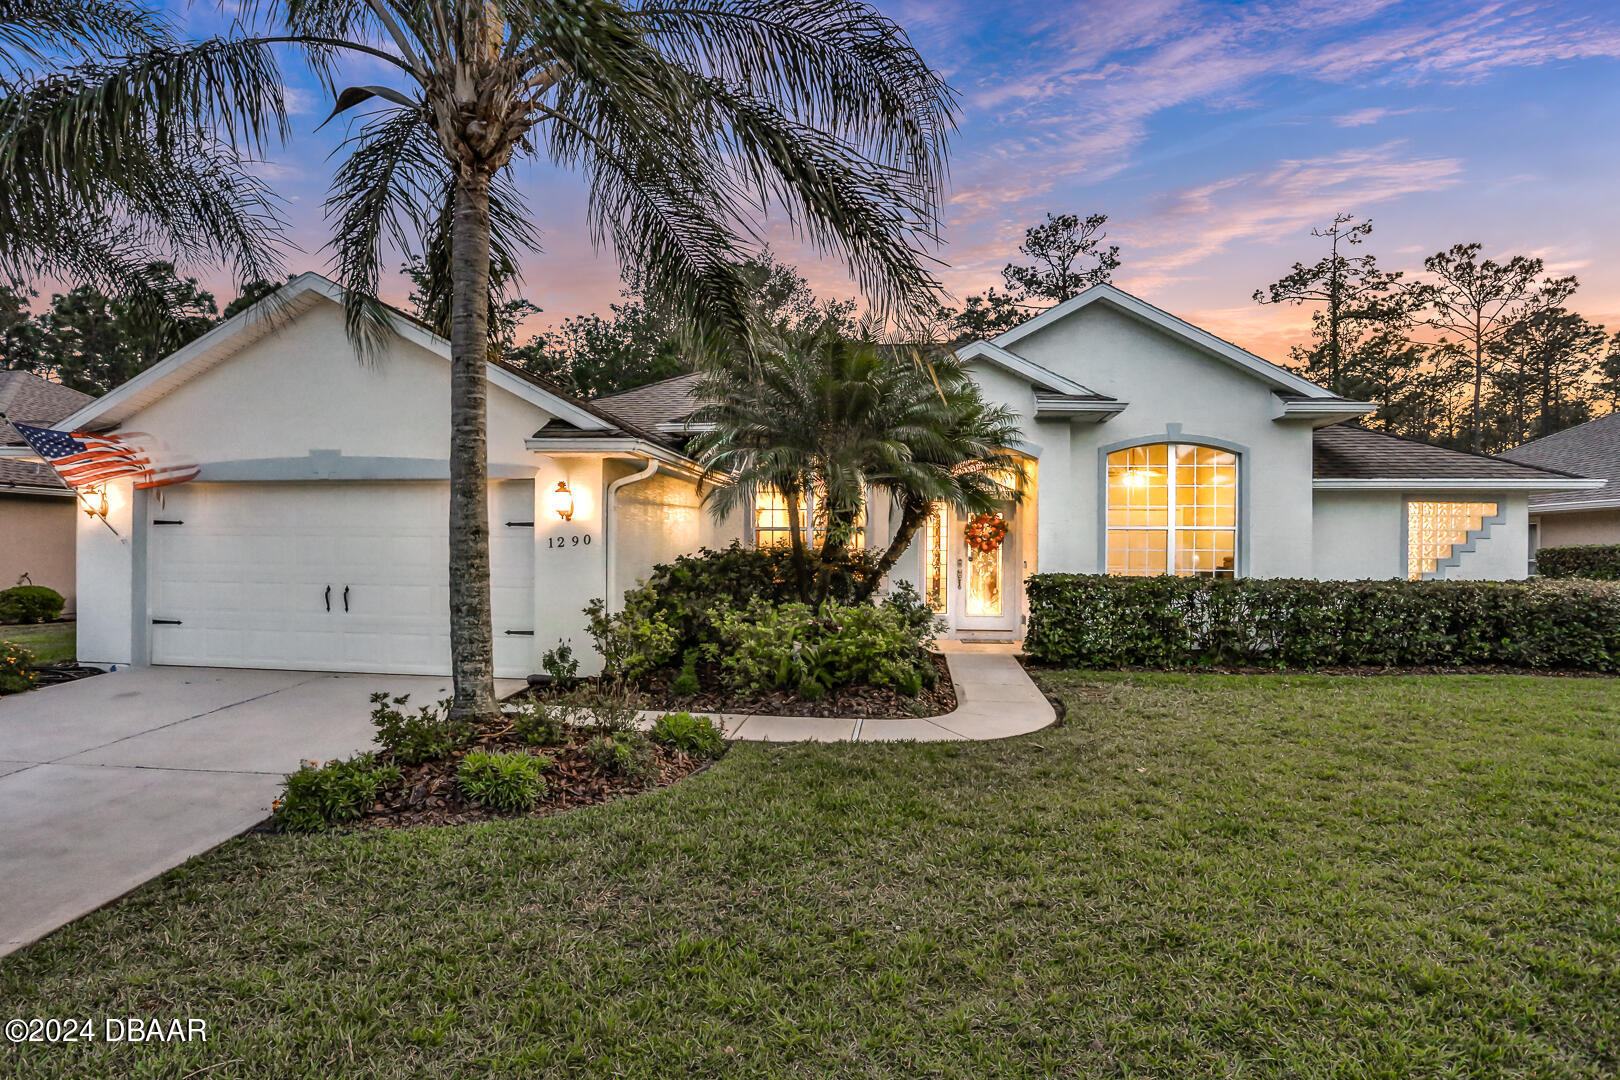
(609, 512)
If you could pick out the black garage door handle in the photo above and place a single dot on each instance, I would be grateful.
(345, 598)
(329, 598)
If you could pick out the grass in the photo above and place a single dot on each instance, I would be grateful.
(51, 643)
(1198, 876)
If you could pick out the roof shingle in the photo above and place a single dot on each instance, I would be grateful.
(1590, 449)
(29, 399)
(1351, 452)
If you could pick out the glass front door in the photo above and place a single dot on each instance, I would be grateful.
(970, 569)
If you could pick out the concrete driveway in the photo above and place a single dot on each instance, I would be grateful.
(109, 781)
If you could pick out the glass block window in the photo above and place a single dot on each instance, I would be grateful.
(1172, 509)
(1435, 529)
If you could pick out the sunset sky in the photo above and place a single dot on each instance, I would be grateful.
(1213, 134)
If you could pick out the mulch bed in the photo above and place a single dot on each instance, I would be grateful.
(430, 795)
(51, 674)
(865, 702)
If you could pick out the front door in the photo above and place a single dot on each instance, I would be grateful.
(973, 580)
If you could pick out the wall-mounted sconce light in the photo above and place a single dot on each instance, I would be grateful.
(562, 501)
(95, 502)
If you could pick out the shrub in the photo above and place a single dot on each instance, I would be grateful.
(1086, 620)
(560, 664)
(696, 735)
(16, 668)
(317, 795)
(686, 682)
(509, 782)
(669, 613)
(627, 754)
(540, 724)
(1598, 562)
(790, 647)
(413, 739)
(30, 604)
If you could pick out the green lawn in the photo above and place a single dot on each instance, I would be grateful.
(51, 643)
(1197, 876)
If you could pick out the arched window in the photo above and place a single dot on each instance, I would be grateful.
(1172, 509)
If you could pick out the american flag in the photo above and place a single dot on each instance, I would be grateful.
(82, 459)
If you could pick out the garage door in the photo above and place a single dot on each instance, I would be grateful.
(327, 577)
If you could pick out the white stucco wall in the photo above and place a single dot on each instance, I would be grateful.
(1362, 534)
(302, 388)
(1503, 554)
(1167, 383)
(1358, 534)
(104, 563)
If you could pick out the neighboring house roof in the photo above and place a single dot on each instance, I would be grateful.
(668, 401)
(1279, 378)
(1591, 449)
(1350, 456)
(29, 399)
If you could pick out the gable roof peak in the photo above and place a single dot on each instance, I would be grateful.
(1276, 376)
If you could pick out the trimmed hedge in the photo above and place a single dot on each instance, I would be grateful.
(1087, 620)
(1596, 562)
(30, 604)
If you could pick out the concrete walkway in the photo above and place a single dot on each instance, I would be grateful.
(995, 699)
(109, 781)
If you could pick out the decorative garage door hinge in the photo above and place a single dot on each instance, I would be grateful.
(520, 633)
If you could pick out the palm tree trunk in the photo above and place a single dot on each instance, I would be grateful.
(472, 634)
(801, 576)
(912, 517)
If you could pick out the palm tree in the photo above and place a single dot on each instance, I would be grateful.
(813, 412)
(968, 462)
(687, 119)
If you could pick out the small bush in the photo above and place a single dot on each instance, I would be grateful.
(1596, 562)
(627, 754)
(30, 604)
(696, 735)
(669, 613)
(607, 712)
(16, 668)
(412, 739)
(540, 724)
(1091, 620)
(560, 664)
(790, 647)
(509, 782)
(685, 683)
(318, 795)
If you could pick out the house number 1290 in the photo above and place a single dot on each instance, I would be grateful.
(568, 541)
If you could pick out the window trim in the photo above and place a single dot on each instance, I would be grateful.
(1173, 434)
(812, 535)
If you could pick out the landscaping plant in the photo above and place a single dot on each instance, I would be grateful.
(1598, 562)
(627, 754)
(16, 668)
(696, 735)
(410, 739)
(1092, 620)
(318, 795)
(508, 782)
(540, 724)
(30, 604)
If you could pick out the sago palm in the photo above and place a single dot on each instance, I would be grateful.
(687, 119)
(814, 412)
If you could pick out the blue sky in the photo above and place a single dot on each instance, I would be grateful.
(1213, 134)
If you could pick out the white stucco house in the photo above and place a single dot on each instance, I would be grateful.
(314, 535)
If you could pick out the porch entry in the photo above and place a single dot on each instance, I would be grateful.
(972, 573)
